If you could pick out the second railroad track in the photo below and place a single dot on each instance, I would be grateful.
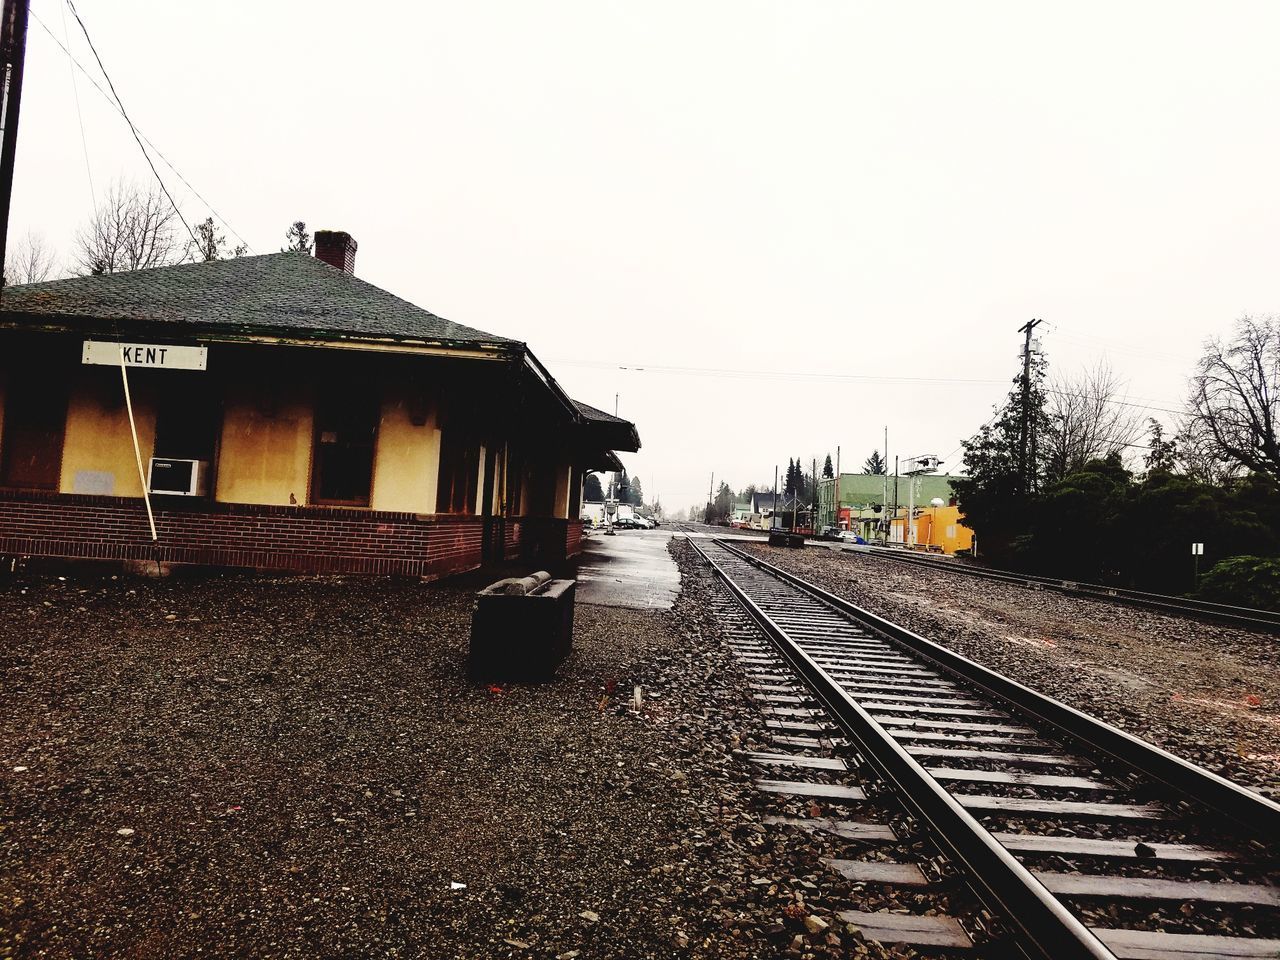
(1084, 841)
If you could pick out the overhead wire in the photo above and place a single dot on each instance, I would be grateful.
(75, 90)
(136, 132)
(825, 377)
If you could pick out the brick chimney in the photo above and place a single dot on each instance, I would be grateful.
(336, 248)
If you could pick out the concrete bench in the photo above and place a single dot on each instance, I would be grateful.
(522, 628)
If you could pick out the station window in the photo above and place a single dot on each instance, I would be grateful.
(459, 469)
(35, 420)
(188, 417)
(346, 429)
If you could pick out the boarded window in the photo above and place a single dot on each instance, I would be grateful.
(346, 429)
(188, 417)
(459, 469)
(35, 422)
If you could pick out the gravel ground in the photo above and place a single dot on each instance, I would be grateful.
(241, 766)
(1208, 693)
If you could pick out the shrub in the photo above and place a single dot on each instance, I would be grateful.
(1243, 581)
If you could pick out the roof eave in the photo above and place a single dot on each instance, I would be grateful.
(285, 336)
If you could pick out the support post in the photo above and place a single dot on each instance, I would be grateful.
(137, 450)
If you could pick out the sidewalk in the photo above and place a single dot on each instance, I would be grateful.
(631, 569)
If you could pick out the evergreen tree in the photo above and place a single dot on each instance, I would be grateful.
(1162, 454)
(635, 496)
(993, 493)
(828, 471)
(297, 238)
(622, 486)
(874, 465)
(591, 489)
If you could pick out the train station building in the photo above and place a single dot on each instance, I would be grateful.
(287, 416)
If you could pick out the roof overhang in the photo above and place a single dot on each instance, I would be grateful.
(211, 333)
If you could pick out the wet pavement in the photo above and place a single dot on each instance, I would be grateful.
(632, 568)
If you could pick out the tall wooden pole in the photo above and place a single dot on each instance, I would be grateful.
(837, 488)
(1026, 457)
(13, 49)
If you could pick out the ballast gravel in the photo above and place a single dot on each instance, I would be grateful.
(257, 767)
(1209, 693)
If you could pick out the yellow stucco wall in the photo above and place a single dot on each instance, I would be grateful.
(97, 449)
(406, 461)
(264, 459)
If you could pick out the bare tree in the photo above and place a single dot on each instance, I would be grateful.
(1235, 396)
(1198, 457)
(132, 229)
(28, 260)
(1086, 421)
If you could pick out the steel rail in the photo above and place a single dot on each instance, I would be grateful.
(1259, 814)
(1254, 619)
(1049, 931)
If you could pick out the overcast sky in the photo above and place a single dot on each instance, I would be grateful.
(851, 206)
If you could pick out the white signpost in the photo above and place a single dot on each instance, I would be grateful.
(1197, 551)
(163, 356)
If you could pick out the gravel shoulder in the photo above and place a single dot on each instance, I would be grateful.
(248, 766)
(1208, 693)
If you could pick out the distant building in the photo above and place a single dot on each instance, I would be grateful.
(288, 416)
(863, 510)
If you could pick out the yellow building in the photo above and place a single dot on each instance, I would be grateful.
(287, 416)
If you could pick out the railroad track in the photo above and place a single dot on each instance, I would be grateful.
(1083, 840)
(1265, 620)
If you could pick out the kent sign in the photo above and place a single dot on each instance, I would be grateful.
(162, 356)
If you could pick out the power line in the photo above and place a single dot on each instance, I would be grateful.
(146, 156)
(136, 132)
(770, 374)
(822, 377)
(75, 90)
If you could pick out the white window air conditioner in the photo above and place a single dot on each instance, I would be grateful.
(179, 478)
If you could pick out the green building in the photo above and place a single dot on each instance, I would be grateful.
(863, 495)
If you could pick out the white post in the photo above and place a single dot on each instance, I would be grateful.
(137, 450)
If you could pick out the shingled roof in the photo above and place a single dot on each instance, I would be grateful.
(617, 433)
(291, 294)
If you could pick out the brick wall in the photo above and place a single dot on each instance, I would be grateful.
(573, 539)
(298, 539)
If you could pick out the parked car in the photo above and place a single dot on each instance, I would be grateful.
(848, 536)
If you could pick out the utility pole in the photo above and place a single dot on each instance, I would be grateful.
(837, 490)
(884, 494)
(1026, 467)
(813, 504)
(895, 498)
(773, 520)
(710, 495)
(13, 49)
